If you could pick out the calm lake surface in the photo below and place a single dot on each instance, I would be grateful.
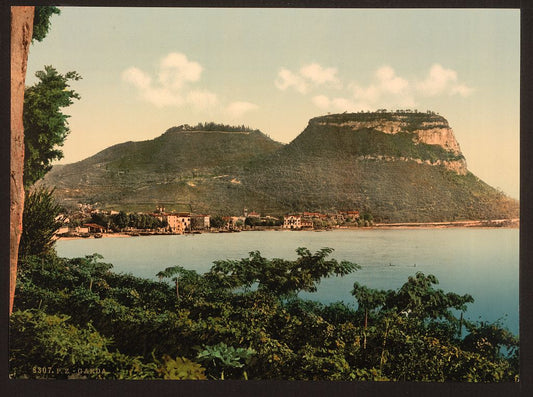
(481, 262)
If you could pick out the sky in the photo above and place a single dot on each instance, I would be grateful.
(145, 70)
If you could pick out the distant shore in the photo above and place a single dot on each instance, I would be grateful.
(491, 224)
(496, 223)
(104, 235)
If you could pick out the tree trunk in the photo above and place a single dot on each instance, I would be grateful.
(364, 331)
(382, 359)
(21, 34)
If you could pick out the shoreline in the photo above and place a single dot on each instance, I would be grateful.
(487, 224)
(492, 224)
(104, 235)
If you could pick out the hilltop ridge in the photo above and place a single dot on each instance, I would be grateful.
(423, 137)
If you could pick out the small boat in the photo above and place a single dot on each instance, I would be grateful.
(98, 235)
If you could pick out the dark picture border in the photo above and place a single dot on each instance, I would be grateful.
(101, 388)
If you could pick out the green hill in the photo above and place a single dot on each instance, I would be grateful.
(399, 166)
(173, 168)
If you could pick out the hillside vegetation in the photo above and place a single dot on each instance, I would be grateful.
(392, 191)
(375, 162)
(179, 167)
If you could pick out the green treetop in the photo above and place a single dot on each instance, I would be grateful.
(45, 126)
(41, 21)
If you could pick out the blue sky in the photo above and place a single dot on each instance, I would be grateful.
(147, 69)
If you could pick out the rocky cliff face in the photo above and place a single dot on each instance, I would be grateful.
(425, 128)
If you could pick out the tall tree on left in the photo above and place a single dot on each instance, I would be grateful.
(28, 23)
(21, 36)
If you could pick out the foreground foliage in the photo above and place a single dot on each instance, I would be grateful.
(40, 221)
(244, 320)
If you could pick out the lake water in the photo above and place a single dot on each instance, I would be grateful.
(481, 262)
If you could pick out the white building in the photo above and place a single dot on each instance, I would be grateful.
(292, 222)
(174, 222)
(297, 222)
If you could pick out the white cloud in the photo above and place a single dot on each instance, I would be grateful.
(462, 90)
(202, 99)
(311, 75)
(169, 89)
(287, 79)
(389, 82)
(319, 75)
(136, 77)
(385, 90)
(175, 70)
(159, 96)
(442, 81)
(174, 85)
(369, 94)
(162, 97)
(386, 87)
(237, 109)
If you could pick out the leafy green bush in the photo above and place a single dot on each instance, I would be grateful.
(181, 369)
(45, 345)
(40, 221)
(279, 276)
(222, 357)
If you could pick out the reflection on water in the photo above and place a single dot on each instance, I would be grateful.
(481, 262)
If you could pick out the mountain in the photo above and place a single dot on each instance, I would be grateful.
(399, 166)
(186, 165)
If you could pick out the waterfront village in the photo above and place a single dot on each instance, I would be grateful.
(91, 222)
